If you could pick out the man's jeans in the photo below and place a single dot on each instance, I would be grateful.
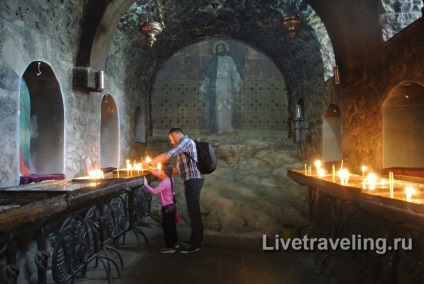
(192, 189)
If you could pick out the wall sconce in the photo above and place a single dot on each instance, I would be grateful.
(100, 80)
(336, 75)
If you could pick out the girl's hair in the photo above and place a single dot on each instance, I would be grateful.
(168, 168)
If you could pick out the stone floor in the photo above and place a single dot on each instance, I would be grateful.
(222, 259)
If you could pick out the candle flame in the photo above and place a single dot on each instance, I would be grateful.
(96, 174)
(318, 163)
(371, 180)
(409, 191)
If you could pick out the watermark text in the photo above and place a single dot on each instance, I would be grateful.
(354, 243)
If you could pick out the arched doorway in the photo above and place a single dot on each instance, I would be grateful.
(41, 120)
(403, 127)
(332, 134)
(109, 133)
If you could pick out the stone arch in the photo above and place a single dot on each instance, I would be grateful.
(109, 133)
(105, 32)
(332, 134)
(98, 31)
(45, 122)
(403, 126)
(396, 15)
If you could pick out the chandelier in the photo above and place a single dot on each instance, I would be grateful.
(151, 28)
(292, 20)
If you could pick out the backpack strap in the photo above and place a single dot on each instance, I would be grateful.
(187, 154)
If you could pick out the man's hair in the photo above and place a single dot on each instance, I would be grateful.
(175, 130)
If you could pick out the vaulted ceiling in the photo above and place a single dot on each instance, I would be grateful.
(355, 30)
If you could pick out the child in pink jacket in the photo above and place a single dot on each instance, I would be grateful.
(169, 206)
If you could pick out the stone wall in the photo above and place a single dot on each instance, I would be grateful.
(400, 61)
(40, 31)
(49, 31)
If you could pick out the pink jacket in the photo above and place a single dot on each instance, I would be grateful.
(165, 191)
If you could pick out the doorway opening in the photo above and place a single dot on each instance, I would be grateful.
(332, 134)
(109, 133)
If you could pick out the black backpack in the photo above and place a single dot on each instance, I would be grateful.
(206, 159)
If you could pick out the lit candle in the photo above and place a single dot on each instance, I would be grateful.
(392, 194)
(310, 170)
(342, 176)
(333, 174)
(371, 181)
(364, 168)
(96, 174)
(128, 168)
(117, 171)
(305, 171)
(159, 166)
(409, 191)
(383, 183)
(317, 165)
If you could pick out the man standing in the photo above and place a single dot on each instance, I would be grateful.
(185, 150)
(221, 82)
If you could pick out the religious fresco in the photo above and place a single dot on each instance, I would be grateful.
(24, 122)
(220, 87)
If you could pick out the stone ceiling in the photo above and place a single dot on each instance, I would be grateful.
(254, 23)
(355, 30)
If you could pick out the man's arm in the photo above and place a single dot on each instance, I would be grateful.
(162, 158)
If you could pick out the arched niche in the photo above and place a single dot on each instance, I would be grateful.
(403, 127)
(299, 121)
(109, 133)
(139, 126)
(41, 120)
(252, 101)
(332, 134)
